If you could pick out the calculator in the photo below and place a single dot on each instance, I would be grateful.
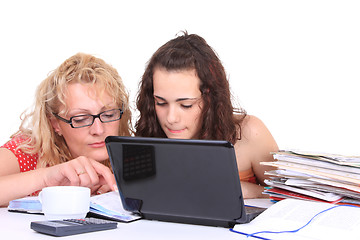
(72, 226)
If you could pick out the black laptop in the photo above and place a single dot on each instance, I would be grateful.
(176, 180)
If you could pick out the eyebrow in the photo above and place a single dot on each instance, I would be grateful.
(177, 100)
(76, 111)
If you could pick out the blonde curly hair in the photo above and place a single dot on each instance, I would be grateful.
(36, 126)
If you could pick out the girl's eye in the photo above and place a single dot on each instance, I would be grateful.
(186, 106)
(160, 103)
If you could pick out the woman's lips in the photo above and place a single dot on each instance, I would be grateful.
(97, 145)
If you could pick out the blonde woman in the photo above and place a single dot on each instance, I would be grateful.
(61, 141)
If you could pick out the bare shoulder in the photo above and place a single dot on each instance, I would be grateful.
(8, 162)
(252, 128)
(255, 146)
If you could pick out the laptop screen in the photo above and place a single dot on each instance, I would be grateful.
(190, 181)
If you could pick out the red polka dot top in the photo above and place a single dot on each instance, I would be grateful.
(26, 161)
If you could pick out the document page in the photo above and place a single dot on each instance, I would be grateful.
(341, 222)
(110, 205)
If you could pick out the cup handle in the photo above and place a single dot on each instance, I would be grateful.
(40, 197)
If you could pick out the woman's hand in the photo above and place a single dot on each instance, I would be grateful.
(100, 189)
(81, 171)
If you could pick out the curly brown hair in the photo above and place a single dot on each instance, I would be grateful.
(187, 52)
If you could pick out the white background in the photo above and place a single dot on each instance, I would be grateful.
(294, 64)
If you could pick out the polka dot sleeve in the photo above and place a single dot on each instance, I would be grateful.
(26, 161)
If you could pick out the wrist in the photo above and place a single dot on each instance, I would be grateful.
(40, 181)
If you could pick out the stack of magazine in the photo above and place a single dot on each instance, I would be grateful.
(314, 176)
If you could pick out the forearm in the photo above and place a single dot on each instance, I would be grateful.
(252, 190)
(20, 185)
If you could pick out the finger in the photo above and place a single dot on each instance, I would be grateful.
(94, 189)
(103, 189)
(85, 180)
(92, 174)
(75, 170)
(54, 176)
(85, 171)
(68, 171)
(63, 174)
(81, 172)
(106, 176)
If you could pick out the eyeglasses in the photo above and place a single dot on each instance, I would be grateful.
(85, 120)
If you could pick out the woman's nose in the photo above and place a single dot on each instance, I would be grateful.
(97, 128)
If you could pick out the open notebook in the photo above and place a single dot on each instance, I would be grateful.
(188, 181)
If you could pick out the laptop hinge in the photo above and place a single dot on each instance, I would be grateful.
(133, 205)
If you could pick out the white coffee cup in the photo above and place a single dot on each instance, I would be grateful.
(65, 202)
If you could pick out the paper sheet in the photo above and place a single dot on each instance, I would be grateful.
(342, 222)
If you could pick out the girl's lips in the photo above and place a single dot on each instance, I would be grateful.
(97, 145)
(175, 131)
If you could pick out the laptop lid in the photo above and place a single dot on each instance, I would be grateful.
(176, 180)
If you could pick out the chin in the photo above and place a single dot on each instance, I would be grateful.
(99, 156)
(179, 137)
(175, 136)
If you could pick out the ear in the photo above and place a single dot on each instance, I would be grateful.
(56, 126)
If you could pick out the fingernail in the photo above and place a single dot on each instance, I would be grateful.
(98, 192)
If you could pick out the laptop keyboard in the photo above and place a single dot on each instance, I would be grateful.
(253, 212)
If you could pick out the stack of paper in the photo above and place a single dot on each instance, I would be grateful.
(314, 176)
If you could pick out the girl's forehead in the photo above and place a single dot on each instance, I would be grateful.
(176, 84)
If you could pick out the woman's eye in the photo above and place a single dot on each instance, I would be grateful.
(80, 119)
(109, 115)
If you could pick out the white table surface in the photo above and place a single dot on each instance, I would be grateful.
(17, 226)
